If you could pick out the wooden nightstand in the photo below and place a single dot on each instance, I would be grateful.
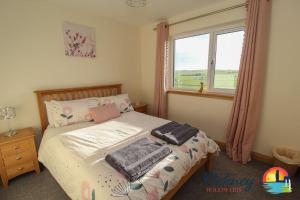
(141, 107)
(17, 155)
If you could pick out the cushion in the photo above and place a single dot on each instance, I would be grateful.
(103, 113)
(63, 113)
(122, 102)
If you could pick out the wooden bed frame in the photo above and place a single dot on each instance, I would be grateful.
(101, 91)
(72, 94)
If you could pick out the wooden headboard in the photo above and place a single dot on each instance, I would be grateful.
(72, 94)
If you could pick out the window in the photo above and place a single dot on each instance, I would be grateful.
(212, 58)
(191, 61)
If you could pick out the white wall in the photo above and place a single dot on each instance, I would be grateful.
(32, 56)
(280, 123)
(280, 120)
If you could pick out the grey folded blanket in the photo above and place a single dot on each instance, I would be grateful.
(175, 133)
(136, 159)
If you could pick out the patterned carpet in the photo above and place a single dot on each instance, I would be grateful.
(31, 186)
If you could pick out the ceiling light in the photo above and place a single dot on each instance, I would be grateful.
(136, 3)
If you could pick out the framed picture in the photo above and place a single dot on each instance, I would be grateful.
(80, 41)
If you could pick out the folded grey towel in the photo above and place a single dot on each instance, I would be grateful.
(136, 159)
(175, 133)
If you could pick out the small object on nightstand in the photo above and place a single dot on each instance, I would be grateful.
(140, 107)
(17, 155)
(8, 113)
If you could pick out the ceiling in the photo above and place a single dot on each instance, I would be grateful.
(119, 11)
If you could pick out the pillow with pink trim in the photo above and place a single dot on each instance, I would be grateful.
(103, 113)
(63, 113)
(122, 102)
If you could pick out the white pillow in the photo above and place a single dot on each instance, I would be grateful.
(49, 110)
(63, 113)
(122, 102)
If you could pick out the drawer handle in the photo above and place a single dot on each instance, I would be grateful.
(20, 168)
(18, 158)
(17, 147)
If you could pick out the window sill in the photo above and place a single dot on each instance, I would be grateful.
(204, 94)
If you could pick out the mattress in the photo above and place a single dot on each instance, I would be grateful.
(75, 156)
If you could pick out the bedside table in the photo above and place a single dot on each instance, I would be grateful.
(17, 155)
(141, 107)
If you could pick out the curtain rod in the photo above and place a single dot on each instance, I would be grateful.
(208, 14)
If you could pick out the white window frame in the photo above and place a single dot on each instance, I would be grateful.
(213, 32)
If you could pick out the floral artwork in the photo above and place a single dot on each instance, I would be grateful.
(79, 40)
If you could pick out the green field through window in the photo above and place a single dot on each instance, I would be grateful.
(190, 79)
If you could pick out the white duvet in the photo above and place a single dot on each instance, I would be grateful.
(75, 154)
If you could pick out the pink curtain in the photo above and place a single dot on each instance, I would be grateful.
(160, 95)
(243, 122)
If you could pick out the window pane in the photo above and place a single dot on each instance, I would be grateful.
(228, 55)
(190, 61)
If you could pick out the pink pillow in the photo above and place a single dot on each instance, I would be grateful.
(103, 113)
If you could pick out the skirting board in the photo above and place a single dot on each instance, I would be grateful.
(254, 155)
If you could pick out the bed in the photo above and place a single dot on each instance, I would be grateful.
(75, 157)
